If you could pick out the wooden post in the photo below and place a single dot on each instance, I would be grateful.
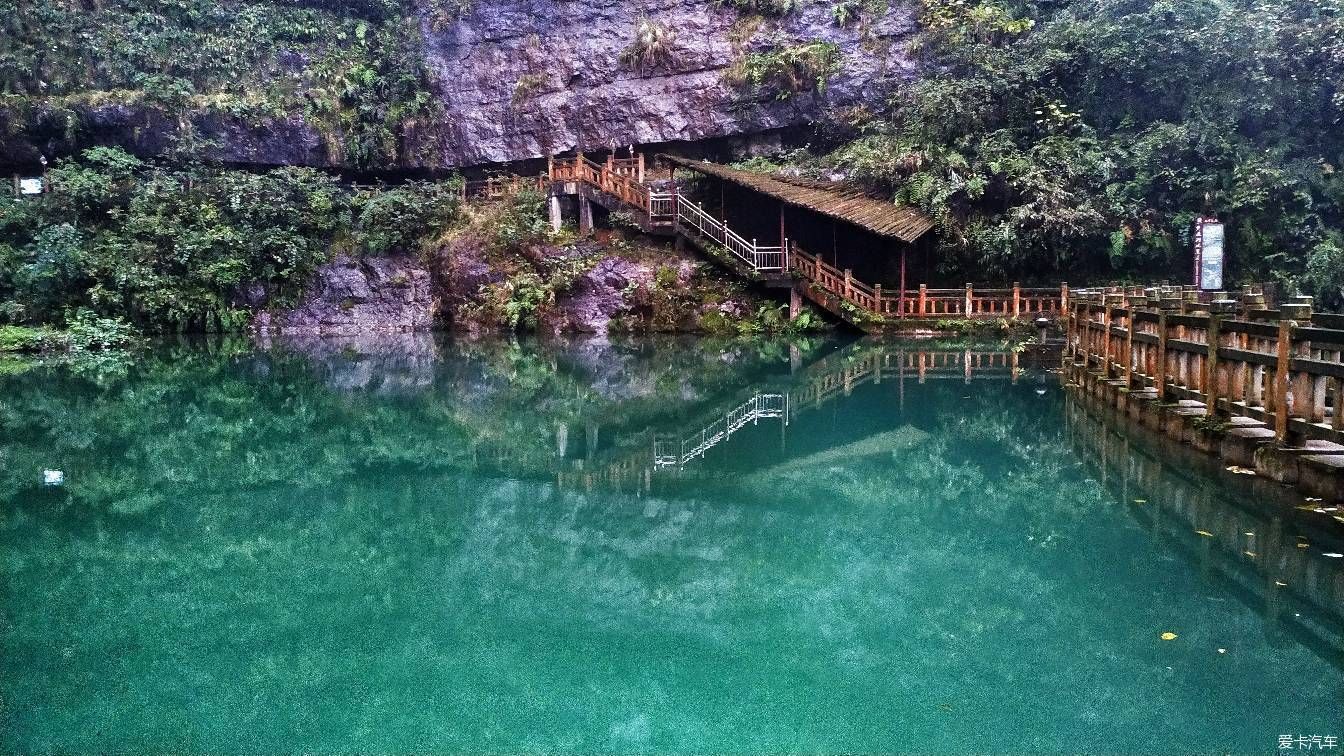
(1064, 297)
(550, 167)
(640, 169)
(923, 299)
(1017, 300)
(881, 310)
(848, 277)
(970, 301)
(901, 301)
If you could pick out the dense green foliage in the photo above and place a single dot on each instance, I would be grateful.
(1085, 136)
(787, 71)
(352, 68)
(176, 248)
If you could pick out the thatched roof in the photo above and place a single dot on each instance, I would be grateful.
(837, 200)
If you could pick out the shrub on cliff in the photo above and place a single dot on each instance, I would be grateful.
(173, 248)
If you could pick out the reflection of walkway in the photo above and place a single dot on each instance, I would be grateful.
(1253, 553)
(676, 452)
(828, 379)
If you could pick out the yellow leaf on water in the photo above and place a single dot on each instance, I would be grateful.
(1280, 584)
(1205, 533)
(1168, 636)
(1303, 545)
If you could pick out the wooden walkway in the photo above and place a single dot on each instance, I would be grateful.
(622, 184)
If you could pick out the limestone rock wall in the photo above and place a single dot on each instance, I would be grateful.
(520, 79)
(527, 78)
(357, 297)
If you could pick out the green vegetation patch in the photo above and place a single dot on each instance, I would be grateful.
(789, 71)
(178, 248)
(353, 69)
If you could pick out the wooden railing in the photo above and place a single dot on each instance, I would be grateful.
(756, 256)
(498, 187)
(622, 179)
(1017, 302)
(1282, 367)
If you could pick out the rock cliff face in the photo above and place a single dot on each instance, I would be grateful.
(359, 297)
(528, 78)
(520, 79)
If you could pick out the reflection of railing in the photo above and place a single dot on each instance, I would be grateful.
(1247, 546)
(879, 365)
(677, 452)
(834, 377)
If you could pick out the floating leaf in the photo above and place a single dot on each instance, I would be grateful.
(1334, 555)
(1280, 584)
(1205, 533)
(1140, 501)
(1168, 636)
(1222, 650)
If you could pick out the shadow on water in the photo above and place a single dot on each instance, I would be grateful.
(424, 544)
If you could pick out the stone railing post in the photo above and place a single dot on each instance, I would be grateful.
(923, 299)
(1219, 310)
(1168, 306)
(877, 304)
(1064, 297)
(1131, 307)
(1017, 300)
(970, 301)
(1289, 315)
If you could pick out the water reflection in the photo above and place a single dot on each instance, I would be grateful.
(1251, 539)
(427, 544)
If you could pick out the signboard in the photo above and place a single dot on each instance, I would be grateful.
(30, 186)
(1208, 254)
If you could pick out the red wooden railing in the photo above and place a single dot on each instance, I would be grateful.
(1016, 302)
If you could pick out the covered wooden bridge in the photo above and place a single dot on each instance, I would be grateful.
(867, 260)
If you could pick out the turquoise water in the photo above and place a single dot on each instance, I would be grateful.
(434, 545)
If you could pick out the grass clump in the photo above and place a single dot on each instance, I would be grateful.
(790, 71)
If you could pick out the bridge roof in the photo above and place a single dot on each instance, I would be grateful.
(835, 199)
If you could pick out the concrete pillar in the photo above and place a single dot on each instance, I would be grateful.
(585, 215)
(556, 220)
